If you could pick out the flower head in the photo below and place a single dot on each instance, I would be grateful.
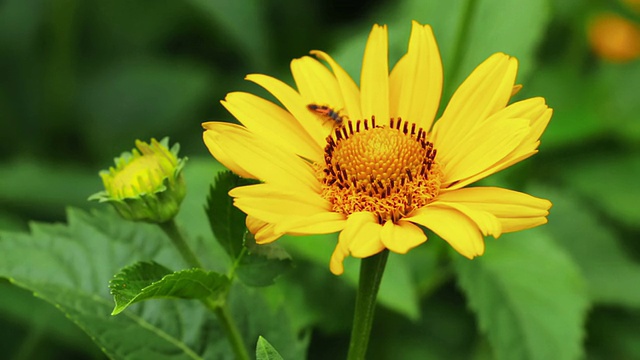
(146, 184)
(375, 166)
(614, 38)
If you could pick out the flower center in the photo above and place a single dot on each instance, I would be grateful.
(388, 170)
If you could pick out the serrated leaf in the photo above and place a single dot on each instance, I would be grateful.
(611, 273)
(529, 297)
(227, 222)
(69, 265)
(264, 350)
(150, 280)
(262, 264)
(620, 173)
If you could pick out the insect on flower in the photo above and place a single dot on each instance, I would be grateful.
(328, 113)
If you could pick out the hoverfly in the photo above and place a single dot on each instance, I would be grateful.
(328, 113)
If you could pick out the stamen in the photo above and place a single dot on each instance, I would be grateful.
(389, 170)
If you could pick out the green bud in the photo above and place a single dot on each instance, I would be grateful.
(146, 184)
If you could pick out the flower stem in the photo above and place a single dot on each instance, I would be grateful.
(170, 228)
(460, 43)
(371, 270)
(221, 311)
(230, 328)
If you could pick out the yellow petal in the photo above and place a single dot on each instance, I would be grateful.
(348, 88)
(260, 159)
(320, 223)
(360, 238)
(272, 123)
(223, 155)
(337, 258)
(487, 222)
(361, 235)
(538, 114)
(402, 237)
(512, 224)
(514, 210)
(316, 83)
(516, 89)
(275, 204)
(483, 149)
(485, 91)
(416, 81)
(263, 232)
(374, 80)
(455, 228)
(295, 104)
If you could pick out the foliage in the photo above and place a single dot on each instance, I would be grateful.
(83, 79)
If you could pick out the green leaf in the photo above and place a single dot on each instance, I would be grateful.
(259, 265)
(150, 280)
(497, 26)
(194, 223)
(397, 290)
(566, 87)
(262, 263)
(227, 221)
(264, 350)
(618, 101)
(611, 273)
(244, 22)
(528, 295)
(27, 185)
(619, 173)
(69, 265)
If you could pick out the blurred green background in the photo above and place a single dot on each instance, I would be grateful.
(82, 79)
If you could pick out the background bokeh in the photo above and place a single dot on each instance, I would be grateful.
(80, 80)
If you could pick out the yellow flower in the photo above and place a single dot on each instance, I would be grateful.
(614, 38)
(146, 184)
(385, 167)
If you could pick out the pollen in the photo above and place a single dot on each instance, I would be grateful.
(389, 170)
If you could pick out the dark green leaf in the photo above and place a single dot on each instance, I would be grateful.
(611, 273)
(29, 185)
(69, 265)
(262, 263)
(618, 103)
(619, 173)
(227, 222)
(566, 88)
(496, 26)
(397, 290)
(264, 350)
(243, 22)
(529, 297)
(150, 280)
(194, 223)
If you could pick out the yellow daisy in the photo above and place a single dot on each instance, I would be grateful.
(371, 163)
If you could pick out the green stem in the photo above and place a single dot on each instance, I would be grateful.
(458, 52)
(371, 270)
(170, 228)
(221, 311)
(230, 328)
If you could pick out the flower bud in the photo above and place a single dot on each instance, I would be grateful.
(146, 184)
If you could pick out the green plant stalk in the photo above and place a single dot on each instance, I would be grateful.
(171, 229)
(221, 311)
(460, 43)
(371, 270)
